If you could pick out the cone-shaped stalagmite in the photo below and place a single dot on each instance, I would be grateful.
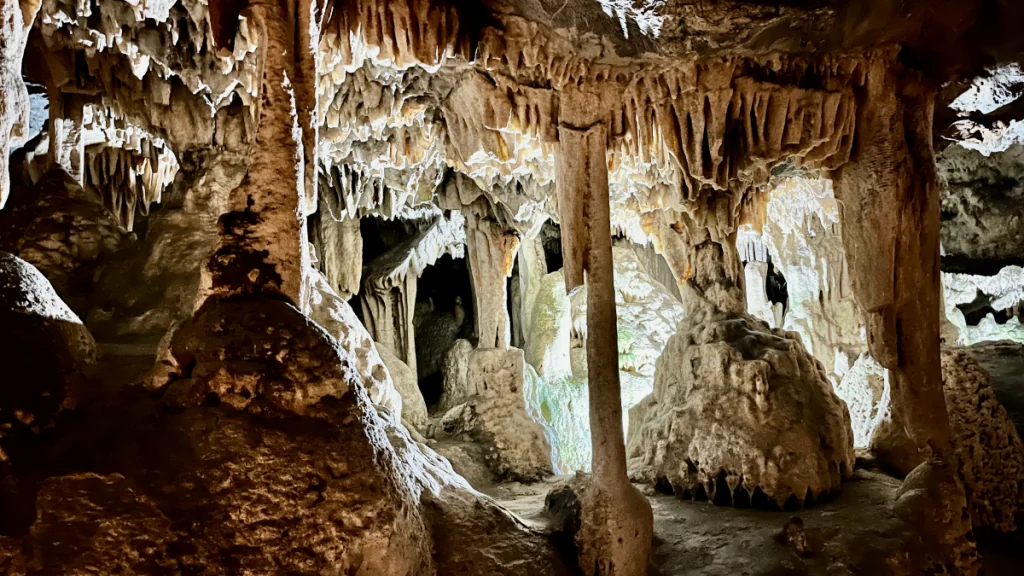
(617, 523)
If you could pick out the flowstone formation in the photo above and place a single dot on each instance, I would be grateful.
(741, 414)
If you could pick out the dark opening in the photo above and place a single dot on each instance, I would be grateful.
(551, 240)
(444, 313)
(980, 307)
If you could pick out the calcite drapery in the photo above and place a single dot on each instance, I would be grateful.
(617, 522)
(388, 313)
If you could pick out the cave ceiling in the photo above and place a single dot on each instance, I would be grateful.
(703, 99)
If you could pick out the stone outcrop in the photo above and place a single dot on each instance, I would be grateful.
(741, 414)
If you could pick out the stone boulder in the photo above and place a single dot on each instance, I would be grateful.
(741, 413)
(44, 349)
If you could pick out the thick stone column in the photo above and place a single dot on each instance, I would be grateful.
(617, 523)
(492, 251)
(890, 198)
(263, 236)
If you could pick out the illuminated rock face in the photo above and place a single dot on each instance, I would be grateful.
(743, 413)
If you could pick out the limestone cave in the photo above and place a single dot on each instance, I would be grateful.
(511, 287)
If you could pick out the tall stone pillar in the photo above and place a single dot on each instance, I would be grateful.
(890, 198)
(617, 523)
(262, 246)
(492, 251)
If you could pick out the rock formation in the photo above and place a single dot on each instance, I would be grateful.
(46, 351)
(990, 450)
(515, 445)
(230, 178)
(741, 414)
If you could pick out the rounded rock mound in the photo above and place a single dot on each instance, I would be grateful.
(741, 414)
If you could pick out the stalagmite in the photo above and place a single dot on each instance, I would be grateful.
(617, 523)
(492, 252)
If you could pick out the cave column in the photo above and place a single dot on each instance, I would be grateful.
(617, 523)
(703, 259)
(263, 239)
(890, 196)
(492, 251)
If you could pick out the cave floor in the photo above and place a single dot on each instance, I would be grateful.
(852, 533)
